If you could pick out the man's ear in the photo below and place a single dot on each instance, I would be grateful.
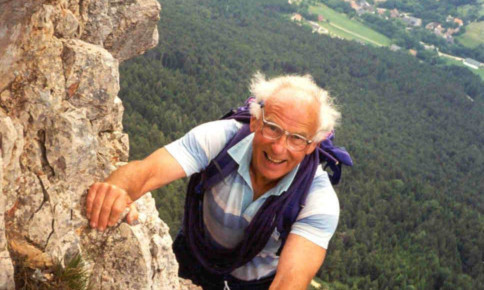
(314, 145)
(311, 147)
(253, 124)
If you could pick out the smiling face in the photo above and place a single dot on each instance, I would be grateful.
(271, 160)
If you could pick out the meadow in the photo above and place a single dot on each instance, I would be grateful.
(473, 36)
(342, 26)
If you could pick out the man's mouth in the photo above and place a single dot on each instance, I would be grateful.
(273, 160)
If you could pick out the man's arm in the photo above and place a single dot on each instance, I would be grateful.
(300, 260)
(107, 200)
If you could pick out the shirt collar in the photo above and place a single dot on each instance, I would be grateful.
(242, 154)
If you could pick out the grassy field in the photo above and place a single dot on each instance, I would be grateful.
(344, 33)
(474, 35)
(338, 32)
(479, 72)
(341, 25)
(464, 9)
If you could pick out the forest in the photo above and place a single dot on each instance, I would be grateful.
(411, 206)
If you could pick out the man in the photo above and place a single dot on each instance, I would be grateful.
(289, 118)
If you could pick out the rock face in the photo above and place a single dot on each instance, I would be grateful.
(61, 130)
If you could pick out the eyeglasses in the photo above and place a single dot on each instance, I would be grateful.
(273, 131)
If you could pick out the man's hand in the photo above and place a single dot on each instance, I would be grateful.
(105, 203)
(107, 200)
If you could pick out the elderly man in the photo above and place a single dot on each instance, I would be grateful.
(289, 118)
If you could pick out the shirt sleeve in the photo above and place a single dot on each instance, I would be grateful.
(318, 220)
(199, 146)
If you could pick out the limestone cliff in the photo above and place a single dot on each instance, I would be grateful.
(61, 130)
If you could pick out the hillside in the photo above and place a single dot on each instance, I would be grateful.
(425, 29)
(411, 206)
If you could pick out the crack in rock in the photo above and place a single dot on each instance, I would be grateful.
(46, 167)
(45, 199)
(53, 229)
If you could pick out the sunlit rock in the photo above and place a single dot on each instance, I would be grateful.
(61, 130)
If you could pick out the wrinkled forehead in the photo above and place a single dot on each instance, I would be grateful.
(293, 110)
(290, 98)
(296, 96)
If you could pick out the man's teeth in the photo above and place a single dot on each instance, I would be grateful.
(273, 160)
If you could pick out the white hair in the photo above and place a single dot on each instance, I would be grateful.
(263, 89)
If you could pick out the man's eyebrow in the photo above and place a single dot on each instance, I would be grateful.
(302, 134)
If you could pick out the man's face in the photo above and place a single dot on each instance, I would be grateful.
(271, 159)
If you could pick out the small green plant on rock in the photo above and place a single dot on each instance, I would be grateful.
(72, 276)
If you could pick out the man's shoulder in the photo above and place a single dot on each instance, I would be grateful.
(212, 136)
(321, 180)
(322, 198)
(222, 127)
(200, 145)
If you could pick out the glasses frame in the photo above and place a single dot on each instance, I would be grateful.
(285, 132)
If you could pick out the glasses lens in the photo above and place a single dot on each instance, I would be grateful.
(296, 142)
(271, 131)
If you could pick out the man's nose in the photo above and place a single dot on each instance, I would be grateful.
(279, 145)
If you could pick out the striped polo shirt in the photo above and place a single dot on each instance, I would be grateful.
(229, 206)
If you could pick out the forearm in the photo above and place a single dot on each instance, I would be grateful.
(131, 177)
(291, 280)
(139, 177)
(300, 260)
